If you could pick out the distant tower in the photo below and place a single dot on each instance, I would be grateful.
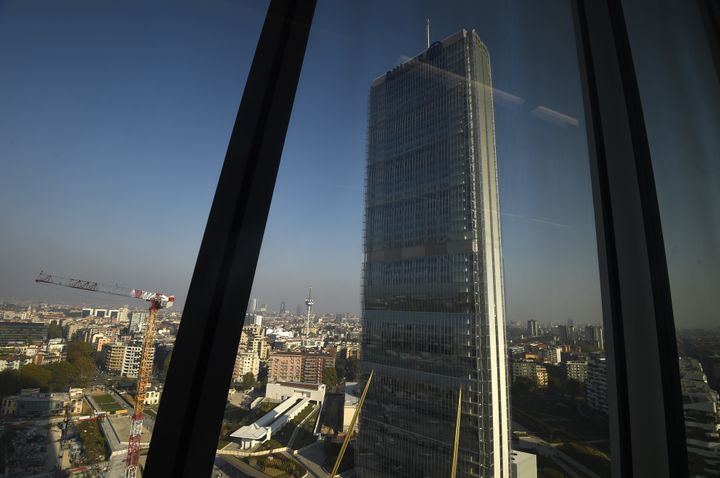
(532, 329)
(282, 308)
(253, 305)
(308, 305)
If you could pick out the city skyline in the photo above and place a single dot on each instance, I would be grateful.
(79, 203)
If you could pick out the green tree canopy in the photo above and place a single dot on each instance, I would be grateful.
(32, 376)
(77, 349)
(62, 375)
(248, 380)
(54, 330)
(330, 378)
(85, 371)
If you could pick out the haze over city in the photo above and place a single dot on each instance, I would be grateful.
(112, 147)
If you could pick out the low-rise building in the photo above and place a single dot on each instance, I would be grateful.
(31, 403)
(285, 367)
(576, 370)
(523, 465)
(13, 362)
(702, 422)
(152, 395)
(246, 362)
(315, 392)
(532, 370)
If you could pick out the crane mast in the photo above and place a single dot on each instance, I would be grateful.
(157, 301)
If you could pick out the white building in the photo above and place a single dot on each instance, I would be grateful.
(596, 385)
(131, 360)
(152, 396)
(137, 322)
(523, 465)
(272, 422)
(246, 362)
(13, 362)
(552, 355)
(284, 390)
(576, 370)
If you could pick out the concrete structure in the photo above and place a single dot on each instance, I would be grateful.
(253, 340)
(299, 366)
(137, 322)
(315, 392)
(31, 403)
(701, 409)
(252, 435)
(433, 293)
(532, 370)
(124, 359)
(576, 370)
(114, 355)
(152, 396)
(22, 332)
(314, 365)
(14, 362)
(552, 355)
(524, 465)
(285, 367)
(246, 362)
(131, 360)
(596, 384)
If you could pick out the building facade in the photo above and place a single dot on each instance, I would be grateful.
(531, 370)
(576, 370)
(285, 367)
(22, 332)
(596, 385)
(701, 408)
(433, 298)
(246, 362)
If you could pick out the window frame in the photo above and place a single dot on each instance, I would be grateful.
(645, 404)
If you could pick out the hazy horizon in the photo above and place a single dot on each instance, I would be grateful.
(116, 119)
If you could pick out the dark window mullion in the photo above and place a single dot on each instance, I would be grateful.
(188, 423)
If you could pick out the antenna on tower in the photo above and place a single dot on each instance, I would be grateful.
(427, 33)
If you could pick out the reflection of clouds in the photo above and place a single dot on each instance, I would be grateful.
(553, 116)
(536, 220)
(499, 95)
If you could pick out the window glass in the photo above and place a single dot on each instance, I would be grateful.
(114, 123)
(434, 192)
(680, 93)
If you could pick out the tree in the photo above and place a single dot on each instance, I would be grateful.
(54, 330)
(330, 378)
(77, 349)
(352, 369)
(523, 386)
(85, 371)
(34, 376)
(9, 383)
(340, 366)
(62, 375)
(248, 380)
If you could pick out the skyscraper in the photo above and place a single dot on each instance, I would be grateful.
(532, 329)
(433, 305)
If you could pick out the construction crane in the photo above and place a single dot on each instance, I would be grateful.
(157, 301)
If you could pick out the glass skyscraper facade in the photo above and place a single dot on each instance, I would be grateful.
(433, 299)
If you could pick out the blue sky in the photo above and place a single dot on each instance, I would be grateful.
(115, 119)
